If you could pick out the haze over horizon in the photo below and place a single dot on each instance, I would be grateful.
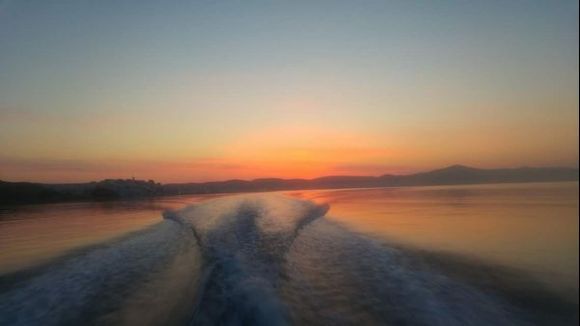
(412, 173)
(191, 91)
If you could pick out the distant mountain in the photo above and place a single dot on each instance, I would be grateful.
(460, 174)
(110, 189)
(452, 175)
(24, 192)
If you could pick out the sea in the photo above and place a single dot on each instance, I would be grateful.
(494, 254)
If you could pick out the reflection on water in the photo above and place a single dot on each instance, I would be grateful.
(33, 234)
(528, 226)
(266, 259)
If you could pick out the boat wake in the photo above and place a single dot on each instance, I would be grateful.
(269, 260)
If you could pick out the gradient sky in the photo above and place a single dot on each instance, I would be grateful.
(205, 90)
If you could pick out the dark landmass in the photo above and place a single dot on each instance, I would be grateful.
(24, 192)
(27, 192)
(453, 175)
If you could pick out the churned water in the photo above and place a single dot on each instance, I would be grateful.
(306, 258)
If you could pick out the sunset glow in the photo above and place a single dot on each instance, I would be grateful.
(231, 90)
(289, 162)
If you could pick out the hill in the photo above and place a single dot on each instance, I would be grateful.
(452, 175)
(26, 192)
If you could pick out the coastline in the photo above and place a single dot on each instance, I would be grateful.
(126, 189)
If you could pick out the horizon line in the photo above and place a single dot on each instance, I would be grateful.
(306, 179)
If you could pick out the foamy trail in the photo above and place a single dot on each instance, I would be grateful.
(92, 284)
(244, 241)
(273, 260)
(270, 260)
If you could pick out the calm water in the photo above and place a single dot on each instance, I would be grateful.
(533, 227)
(32, 234)
(270, 259)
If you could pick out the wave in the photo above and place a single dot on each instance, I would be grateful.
(244, 241)
(266, 259)
(91, 284)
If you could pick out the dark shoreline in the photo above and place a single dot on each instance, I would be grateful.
(123, 189)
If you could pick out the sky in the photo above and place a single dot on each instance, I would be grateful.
(181, 91)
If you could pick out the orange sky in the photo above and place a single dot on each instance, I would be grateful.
(301, 152)
(212, 91)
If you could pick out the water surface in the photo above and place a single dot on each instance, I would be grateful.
(34, 234)
(453, 255)
(531, 226)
